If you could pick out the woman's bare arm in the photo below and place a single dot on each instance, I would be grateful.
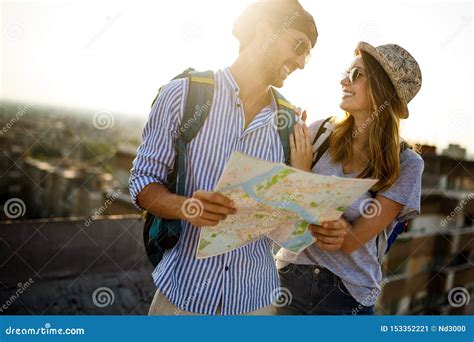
(366, 228)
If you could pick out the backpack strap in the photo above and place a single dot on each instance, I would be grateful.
(285, 122)
(160, 234)
(383, 242)
(198, 104)
(381, 238)
(196, 111)
(321, 140)
(184, 74)
(400, 227)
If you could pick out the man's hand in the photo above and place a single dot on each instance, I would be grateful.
(207, 208)
(330, 235)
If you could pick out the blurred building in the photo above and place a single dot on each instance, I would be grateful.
(455, 151)
(52, 191)
(430, 268)
(425, 149)
(122, 164)
(123, 159)
(60, 164)
(10, 171)
(120, 203)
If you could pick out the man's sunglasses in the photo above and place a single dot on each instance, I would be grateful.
(301, 47)
(352, 74)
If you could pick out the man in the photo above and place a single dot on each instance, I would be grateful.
(275, 38)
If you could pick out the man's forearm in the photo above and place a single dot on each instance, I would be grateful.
(160, 202)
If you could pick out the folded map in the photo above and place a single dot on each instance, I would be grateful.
(276, 201)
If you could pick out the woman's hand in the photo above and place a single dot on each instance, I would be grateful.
(300, 114)
(301, 148)
(330, 235)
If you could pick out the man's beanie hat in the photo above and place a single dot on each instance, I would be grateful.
(284, 14)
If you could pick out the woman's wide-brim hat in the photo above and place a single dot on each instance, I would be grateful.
(402, 69)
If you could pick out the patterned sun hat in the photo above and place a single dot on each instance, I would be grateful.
(400, 66)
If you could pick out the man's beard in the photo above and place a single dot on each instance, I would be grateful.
(273, 75)
(272, 68)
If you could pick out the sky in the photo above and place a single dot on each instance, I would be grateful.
(114, 56)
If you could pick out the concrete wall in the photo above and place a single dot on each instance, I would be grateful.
(63, 262)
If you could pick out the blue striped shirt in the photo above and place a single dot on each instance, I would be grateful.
(244, 279)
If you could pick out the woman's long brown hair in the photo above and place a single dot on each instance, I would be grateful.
(383, 159)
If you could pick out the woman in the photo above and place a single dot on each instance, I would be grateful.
(365, 144)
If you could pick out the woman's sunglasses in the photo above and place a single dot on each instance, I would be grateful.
(352, 74)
